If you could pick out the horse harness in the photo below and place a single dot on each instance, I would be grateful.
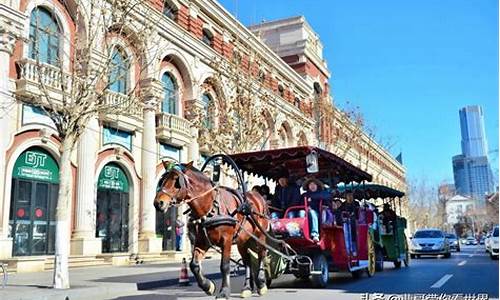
(215, 217)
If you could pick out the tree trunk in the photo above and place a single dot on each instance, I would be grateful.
(61, 273)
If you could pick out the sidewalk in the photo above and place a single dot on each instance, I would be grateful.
(98, 282)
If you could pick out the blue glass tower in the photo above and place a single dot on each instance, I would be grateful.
(471, 169)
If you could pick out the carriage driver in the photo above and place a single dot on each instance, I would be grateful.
(286, 194)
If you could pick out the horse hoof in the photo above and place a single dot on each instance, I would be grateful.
(211, 289)
(246, 294)
(262, 291)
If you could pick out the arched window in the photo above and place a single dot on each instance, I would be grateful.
(118, 78)
(169, 104)
(169, 10)
(44, 40)
(281, 90)
(207, 101)
(296, 102)
(207, 37)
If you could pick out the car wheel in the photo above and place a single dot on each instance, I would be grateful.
(320, 264)
(412, 255)
(447, 255)
(397, 264)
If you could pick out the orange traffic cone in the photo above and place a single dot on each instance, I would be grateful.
(183, 276)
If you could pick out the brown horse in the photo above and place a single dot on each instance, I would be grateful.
(217, 219)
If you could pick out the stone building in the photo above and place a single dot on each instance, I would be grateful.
(117, 162)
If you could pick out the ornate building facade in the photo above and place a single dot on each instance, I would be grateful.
(116, 165)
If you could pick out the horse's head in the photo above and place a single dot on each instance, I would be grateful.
(179, 184)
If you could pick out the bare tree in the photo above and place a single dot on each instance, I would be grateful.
(75, 85)
(235, 122)
(424, 205)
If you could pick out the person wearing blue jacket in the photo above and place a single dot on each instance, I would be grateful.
(286, 194)
(315, 193)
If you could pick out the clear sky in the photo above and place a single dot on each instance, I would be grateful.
(409, 65)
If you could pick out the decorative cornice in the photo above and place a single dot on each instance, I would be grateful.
(11, 27)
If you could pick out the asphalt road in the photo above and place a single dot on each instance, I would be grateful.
(470, 271)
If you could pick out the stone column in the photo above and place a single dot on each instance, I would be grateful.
(194, 148)
(148, 242)
(83, 241)
(10, 29)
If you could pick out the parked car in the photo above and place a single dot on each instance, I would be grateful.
(471, 241)
(453, 242)
(482, 240)
(492, 245)
(429, 242)
(487, 241)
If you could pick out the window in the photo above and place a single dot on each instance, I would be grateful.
(169, 11)
(207, 37)
(118, 78)
(281, 90)
(44, 39)
(296, 102)
(207, 101)
(169, 104)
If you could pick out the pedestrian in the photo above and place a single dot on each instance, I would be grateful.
(179, 232)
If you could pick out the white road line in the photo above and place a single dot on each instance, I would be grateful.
(441, 281)
(471, 255)
(463, 262)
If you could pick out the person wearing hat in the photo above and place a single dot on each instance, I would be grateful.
(286, 194)
(314, 194)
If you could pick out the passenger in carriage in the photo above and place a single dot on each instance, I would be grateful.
(286, 194)
(314, 194)
(266, 192)
(349, 212)
(388, 218)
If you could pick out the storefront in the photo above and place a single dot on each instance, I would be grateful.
(35, 186)
(113, 209)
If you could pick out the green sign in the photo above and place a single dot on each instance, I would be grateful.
(36, 164)
(112, 177)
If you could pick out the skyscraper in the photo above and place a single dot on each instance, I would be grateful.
(471, 169)
(472, 128)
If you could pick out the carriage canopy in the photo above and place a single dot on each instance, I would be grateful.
(369, 191)
(330, 168)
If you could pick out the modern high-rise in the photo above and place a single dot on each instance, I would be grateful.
(472, 128)
(471, 169)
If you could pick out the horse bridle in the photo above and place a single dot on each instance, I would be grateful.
(180, 197)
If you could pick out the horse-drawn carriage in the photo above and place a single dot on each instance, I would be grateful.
(344, 246)
(388, 230)
(222, 216)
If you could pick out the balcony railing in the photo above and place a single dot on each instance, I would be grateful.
(122, 104)
(42, 74)
(173, 127)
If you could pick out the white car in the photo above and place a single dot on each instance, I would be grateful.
(429, 242)
(492, 243)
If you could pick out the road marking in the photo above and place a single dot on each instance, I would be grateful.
(471, 255)
(463, 262)
(441, 281)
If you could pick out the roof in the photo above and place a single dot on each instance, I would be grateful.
(369, 191)
(269, 163)
(459, 198)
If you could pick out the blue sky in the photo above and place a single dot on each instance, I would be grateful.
(409, 65)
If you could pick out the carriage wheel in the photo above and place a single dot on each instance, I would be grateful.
(372, 257)
(407, 256)
(379, 255)
(320, 264)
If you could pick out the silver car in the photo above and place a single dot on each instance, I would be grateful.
(453, 242)
(429, 242)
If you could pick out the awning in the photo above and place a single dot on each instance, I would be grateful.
(332, 169)
(368, 191)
